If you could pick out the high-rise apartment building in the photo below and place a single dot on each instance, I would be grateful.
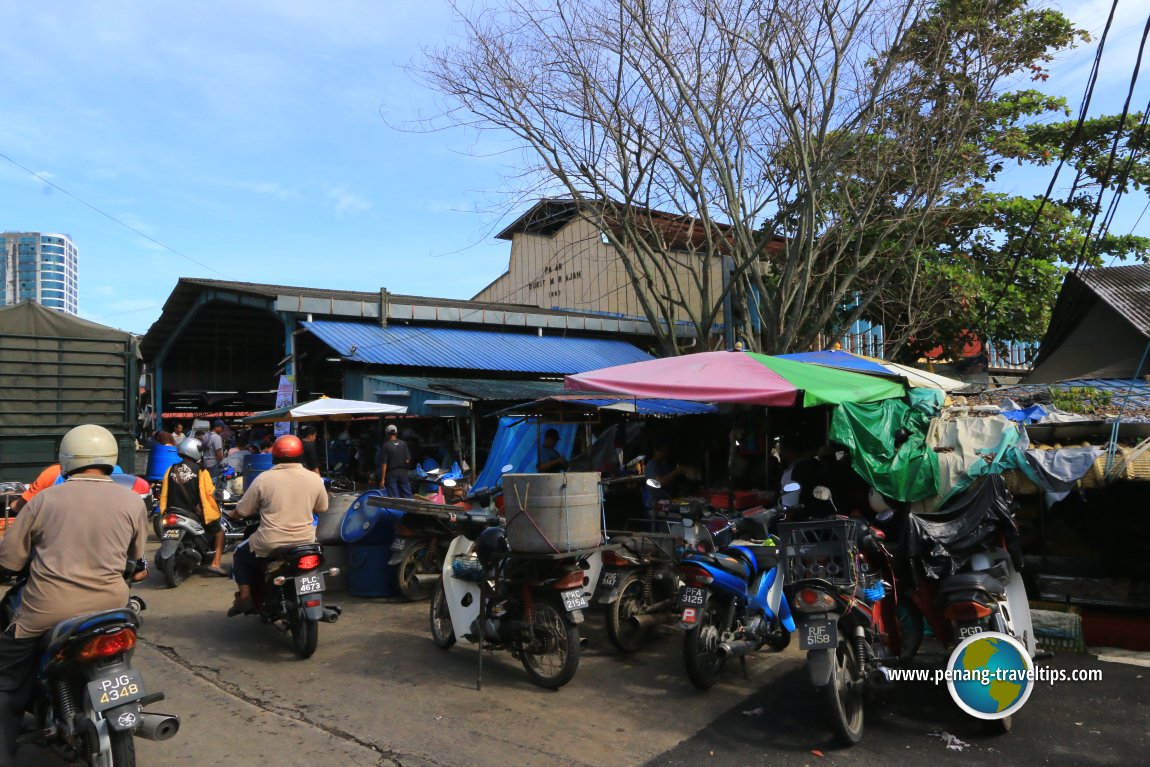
(39, 267)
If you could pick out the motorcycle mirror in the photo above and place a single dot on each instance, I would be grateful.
(449, 482)
(821, 493)
(792, 487)
(506, 468)
(654, 483)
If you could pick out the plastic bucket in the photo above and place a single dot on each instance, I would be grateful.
(368, 571)
(160, 459)
(547, 513)
(254, 465)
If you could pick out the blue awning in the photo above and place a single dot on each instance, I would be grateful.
(464, 349)
(618, 403)
(841, 360)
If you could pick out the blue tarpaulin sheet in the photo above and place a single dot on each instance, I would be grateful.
(517, 443)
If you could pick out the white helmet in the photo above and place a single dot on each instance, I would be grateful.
(190, 447)
(88, 446)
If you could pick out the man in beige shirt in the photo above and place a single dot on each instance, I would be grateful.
(285, 497)
(76, 540)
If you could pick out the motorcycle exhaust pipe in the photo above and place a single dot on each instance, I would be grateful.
(736, 648)
(157, 726)
(880, 677)
(646, 619)
(427, 579)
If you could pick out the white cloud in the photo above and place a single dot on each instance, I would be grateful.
(346, 203)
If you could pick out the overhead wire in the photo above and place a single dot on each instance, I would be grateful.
(1067, 151)
(109, 216)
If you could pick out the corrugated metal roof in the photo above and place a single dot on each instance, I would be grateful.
(465, 349)
(1127, 289)
(476, 388)
(1123, 391)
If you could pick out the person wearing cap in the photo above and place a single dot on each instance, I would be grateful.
(550, 459)
(213, 448)
(76, 539)
(393, 466)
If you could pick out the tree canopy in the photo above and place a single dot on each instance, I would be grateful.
(865, 136)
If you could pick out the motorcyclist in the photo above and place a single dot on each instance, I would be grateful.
(285, 497)
(75, 539)
(188, 486)
(44, 480)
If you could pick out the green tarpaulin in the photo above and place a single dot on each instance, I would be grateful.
(908, 472)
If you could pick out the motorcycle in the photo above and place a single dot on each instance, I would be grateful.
(731, 602)
(970, 549)
(844, 593)
(639, 581)
(186, 545)
(290, 595)
(421, 540)
(87, 701)
(531, 605)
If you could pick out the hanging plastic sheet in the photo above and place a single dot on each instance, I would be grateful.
(903, 472)
(942, 544)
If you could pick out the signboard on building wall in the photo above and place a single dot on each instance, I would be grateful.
(285, 396)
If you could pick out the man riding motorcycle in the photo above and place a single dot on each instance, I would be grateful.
(285, 497)
(189, 487)
(75, 538)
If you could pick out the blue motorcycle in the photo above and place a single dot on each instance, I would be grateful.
(731, 601)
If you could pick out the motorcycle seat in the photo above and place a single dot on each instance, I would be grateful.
(733, 565)
(972, 582)
(69, 628)
(764, 557)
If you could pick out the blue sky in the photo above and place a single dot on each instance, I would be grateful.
(257, 138)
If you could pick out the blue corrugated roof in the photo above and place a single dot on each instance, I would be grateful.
(465, 349)
(650, 406)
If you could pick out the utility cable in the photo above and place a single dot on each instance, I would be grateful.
(113, 218)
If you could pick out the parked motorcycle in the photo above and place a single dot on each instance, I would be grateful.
(731, 602)
(290, 595)
(970, 548)
(639, 581)
(843, 589)
(87, 703)
(531, 605)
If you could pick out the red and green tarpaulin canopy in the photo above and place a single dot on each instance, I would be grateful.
(738, 377)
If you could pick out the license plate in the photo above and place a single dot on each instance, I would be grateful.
(969, 630)
(172, 532)
(116, 690)
(398, 544)
(611, 578)
(309, 584)
(691, 596)
(819, 632)
(574, 599)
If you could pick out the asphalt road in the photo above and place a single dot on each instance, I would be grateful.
(378, 692)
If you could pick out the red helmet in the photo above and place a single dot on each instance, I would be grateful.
(287, 448)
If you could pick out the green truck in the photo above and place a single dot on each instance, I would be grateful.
(58, 371)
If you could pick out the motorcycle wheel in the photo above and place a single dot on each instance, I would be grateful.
(701, 649)
(912, 627)
(158, 525)
(123, 749)
(304, 636)
(779, 639)
(622, 632)
(173, 570)
(416, 562)
(442, 632)
(550, 647)
(844, 695)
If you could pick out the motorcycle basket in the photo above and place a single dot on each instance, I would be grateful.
(824, 549)
(467, 568)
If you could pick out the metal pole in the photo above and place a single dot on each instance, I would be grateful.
(474, 459)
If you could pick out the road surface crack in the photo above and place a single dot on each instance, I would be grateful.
(213, 677)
